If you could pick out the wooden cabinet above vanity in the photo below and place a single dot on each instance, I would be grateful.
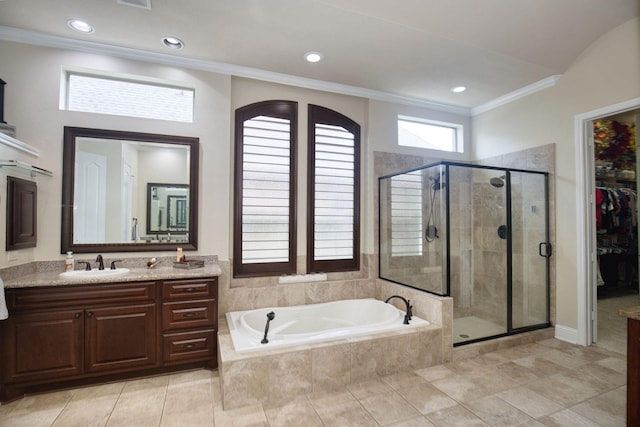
(62, 336)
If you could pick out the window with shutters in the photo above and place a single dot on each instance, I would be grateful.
(406, 211)
(333, 231)
(265, 223)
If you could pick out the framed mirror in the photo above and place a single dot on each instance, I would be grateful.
(127, 191)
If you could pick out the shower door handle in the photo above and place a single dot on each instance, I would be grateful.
(547, 249)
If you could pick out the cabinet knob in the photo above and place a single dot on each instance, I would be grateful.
(189, 346)
(89, 313)
(191, 289)
(77, 315)
(189, 314)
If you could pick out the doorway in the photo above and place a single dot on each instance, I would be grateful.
(587, 261)
(616, 225)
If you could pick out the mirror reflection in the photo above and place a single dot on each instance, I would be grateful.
(128, 191)
(167, 207)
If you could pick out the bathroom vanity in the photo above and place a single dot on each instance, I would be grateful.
(69, 333)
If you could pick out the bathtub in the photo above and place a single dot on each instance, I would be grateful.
(315, 323)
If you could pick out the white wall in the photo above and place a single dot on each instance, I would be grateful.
(33, 76)
(31, 104)
(607, 73)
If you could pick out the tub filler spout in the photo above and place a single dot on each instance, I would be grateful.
(409, 307)
(270, 316)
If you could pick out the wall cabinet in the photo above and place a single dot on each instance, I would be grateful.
(85, 333)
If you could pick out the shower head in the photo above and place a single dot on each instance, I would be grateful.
(497, 181)
(437, 184)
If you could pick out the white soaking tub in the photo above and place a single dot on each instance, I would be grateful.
(312, 323)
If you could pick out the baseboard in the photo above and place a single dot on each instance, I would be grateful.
(567, 334)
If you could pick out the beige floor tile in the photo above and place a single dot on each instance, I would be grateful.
(415, 422)
(563, 389)
(567, 418)
(434, 373)
(369, 388)
(35, 418)
(38, 410)
(518, 373)
(618, 364)
(107, 391)
(456, 416)
(139, 402)
(403, 379)
(349, 413)
(608, 409)
(297, 413)
(246, 416)
(563, 359)
(86, 413)
(459, 388)
(540, 365)
(531, 403)
(426, 398)
(388, 408)
(498, 413)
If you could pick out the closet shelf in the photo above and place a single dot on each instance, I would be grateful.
(32, 170)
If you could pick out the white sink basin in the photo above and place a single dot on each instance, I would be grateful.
(93, 274)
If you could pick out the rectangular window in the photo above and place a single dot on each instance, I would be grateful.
(333, 234)
(127, 96)
(406, 211)
(430, 134)
(264, 242)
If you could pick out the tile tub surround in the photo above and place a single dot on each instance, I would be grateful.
(276, 376)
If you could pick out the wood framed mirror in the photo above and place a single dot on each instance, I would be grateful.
(106, 184)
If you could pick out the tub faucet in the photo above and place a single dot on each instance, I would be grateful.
(270, 316)
(409, 307)
(100, 262)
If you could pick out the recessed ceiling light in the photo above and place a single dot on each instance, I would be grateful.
(80, 26)
(459, 89)
(313, 56)
(172, 42)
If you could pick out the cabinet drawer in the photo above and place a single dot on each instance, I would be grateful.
(181, 289)
(21, 298)
(189, 314)
(189, 346)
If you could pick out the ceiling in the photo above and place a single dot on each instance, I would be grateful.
(414, 49)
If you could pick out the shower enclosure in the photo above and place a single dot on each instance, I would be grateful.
(479, 234)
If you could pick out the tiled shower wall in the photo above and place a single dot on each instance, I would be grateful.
(478, 261)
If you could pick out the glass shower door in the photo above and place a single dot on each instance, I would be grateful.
(529, 288)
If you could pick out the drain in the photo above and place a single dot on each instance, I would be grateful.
(464, 336)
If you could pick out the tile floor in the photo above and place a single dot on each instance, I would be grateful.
(549, 383)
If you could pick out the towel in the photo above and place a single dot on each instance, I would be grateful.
(4, 313)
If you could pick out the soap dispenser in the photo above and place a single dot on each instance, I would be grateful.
(69, 264)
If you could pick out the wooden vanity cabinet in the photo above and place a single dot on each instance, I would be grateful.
(79, 333)
(190, 321)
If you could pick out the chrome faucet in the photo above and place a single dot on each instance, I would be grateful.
(408, 313)
(100, 262)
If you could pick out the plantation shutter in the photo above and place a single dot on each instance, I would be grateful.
(334, 182)
(406, 211)
(264, 240)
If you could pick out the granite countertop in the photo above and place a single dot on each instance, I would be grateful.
(631, 313)
(160, 272)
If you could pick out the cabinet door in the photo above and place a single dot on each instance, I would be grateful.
(121, 338)
(43, 345)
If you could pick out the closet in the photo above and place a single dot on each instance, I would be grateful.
(616, 204)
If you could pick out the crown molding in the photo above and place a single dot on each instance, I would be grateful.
(41, 39)
(516, 94)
